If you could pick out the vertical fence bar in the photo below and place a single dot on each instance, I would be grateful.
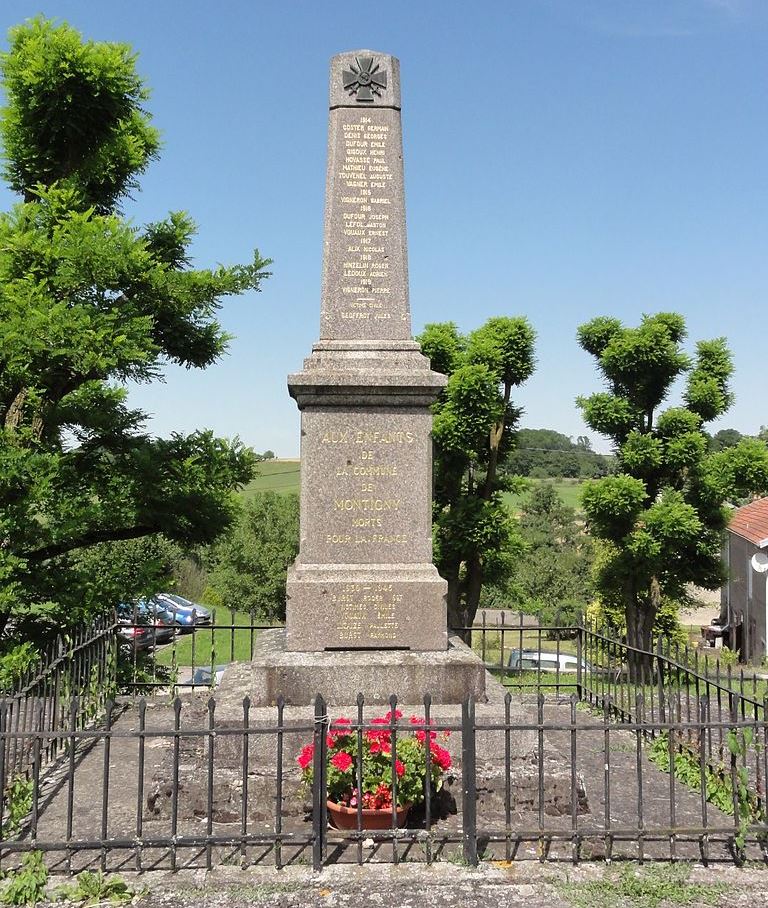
(393, 769)
(428, 773)
(359, 768)
(502, 652)
(579, 660)
(3, 781)
(639, 728)
(36, 760)
(660, 679)
(763, 740)
(278, 781)
(71, 777)
(319, 786)
(738, 852)
(209, 786)
(574, 782)
(468, 782)
(607, 776)
(704, 843)
(140, 782)
(540, 768)
(672, 733)
(507, 777)
(105, 783)
(175, 772)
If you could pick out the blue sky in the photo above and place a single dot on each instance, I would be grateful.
(563, 158)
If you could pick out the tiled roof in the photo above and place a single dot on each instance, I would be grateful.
(751, 521)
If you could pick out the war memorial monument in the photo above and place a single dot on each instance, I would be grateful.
(366, 608)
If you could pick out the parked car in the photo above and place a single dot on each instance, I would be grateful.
(537, 660)
(138, 636)
(186, 614)
(145, 623)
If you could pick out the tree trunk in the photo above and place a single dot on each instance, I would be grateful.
(641, 614)
(473, 583)
(455, 611)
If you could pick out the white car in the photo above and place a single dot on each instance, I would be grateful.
(527, 660)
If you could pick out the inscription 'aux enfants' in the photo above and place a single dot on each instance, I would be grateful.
(365, 177)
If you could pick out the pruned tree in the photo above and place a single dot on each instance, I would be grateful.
(662, 515)
(476, 538)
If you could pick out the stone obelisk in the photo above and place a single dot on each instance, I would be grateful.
(364, 577)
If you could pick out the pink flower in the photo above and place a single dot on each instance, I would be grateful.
(306, 755)
(342, 760)
(388, 717)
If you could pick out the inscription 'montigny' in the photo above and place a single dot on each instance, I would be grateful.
(365, 177)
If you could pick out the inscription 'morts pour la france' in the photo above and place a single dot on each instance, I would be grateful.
(364, 80)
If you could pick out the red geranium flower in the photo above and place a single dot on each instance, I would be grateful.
(342, 760)
(399, 767)
(440, 755)
(306, 755)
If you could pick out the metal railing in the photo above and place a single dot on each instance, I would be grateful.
(674, 768)
(184, 787)
(82, 663)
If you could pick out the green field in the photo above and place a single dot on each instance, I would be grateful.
(569, 491)
(274, 475)
(213, 646)
(283, 476)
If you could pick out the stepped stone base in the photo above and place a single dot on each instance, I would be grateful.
(449, 676)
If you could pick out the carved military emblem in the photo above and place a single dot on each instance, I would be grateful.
(364, 79)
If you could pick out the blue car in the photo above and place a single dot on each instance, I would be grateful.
(186, 615)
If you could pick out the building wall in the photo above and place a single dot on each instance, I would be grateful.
(746, 601)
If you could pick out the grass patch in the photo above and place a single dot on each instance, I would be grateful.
(281, 476)
(515, 638)
(230, 640)
(642, 887)
(569, 491)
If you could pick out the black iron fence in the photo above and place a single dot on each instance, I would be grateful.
(82, 664)
(578, 761)
(176, 784)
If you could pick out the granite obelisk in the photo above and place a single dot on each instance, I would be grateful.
(364, 577)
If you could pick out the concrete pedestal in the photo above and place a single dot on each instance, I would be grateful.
(449, 676)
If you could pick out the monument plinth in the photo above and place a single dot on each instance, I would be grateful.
(364, 577)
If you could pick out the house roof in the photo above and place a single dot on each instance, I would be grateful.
(751, 522)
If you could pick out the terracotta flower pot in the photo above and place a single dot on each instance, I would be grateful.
(342, 817)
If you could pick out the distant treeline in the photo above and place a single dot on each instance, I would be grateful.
(546, 454)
